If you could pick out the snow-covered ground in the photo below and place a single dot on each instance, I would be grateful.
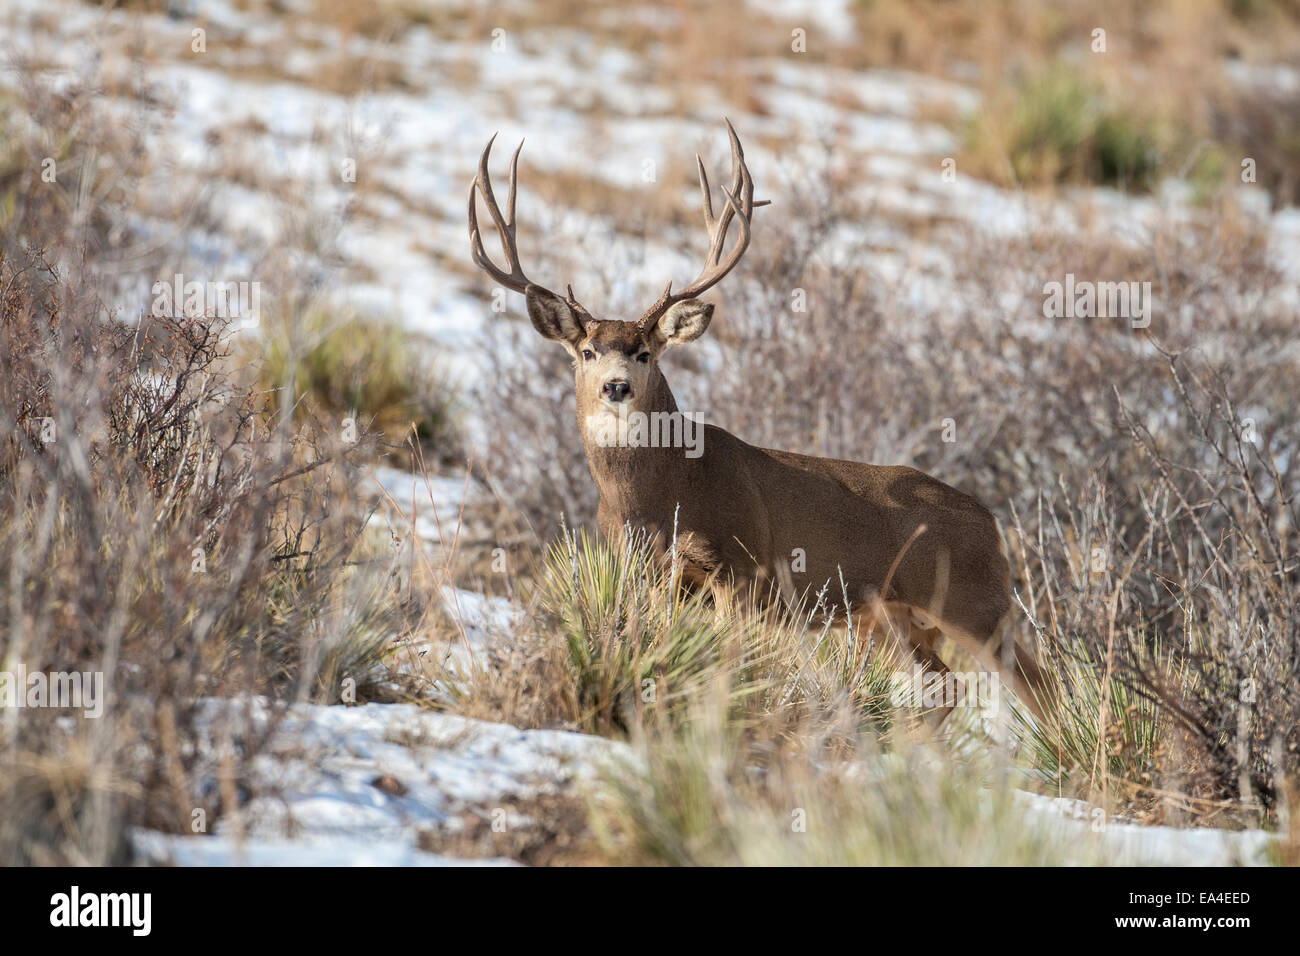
(434, 506)
(478, 622)
(360, 786)
(1077, 824)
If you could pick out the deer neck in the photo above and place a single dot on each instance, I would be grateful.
(633, 479)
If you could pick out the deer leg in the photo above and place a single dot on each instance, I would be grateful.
(920, 642)
(1014, 666)
(924, 643)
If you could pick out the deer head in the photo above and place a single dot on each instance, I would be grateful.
(616, 363)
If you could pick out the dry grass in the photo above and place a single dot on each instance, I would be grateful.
(700, 800)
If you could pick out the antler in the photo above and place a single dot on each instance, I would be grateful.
(584, 316)
(515, 278)
(740, 202)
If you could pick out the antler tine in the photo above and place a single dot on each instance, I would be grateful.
(483, 180)
(740, 203)
(583, 315)
(704, 191)
(505, 223)
(514, 182)
(651, 314)
(741, 185)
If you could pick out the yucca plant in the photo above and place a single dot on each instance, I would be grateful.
(1104, 730)
(318, 641)
(855, 668)
(638, 643)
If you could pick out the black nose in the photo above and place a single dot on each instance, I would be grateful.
(616, 391)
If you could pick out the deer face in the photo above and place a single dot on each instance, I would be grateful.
(615, 363)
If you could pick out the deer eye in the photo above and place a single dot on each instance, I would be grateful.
(643, 357)
(588, 354)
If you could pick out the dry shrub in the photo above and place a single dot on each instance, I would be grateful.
(1184, 594)
(162, 525)
(533, 459)
(152, 514)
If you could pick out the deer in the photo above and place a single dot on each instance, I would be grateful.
(902, 545)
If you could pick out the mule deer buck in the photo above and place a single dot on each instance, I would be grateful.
(905, 545)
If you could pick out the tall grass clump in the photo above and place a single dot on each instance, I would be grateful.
(1108, 736)
(697, 798)
(616, 643)
(344, 365)
(636, 642)
(1057, 127)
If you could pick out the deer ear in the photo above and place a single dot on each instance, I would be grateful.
(553, 317)
(684, 322)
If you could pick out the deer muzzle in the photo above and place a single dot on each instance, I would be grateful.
(616, 390)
